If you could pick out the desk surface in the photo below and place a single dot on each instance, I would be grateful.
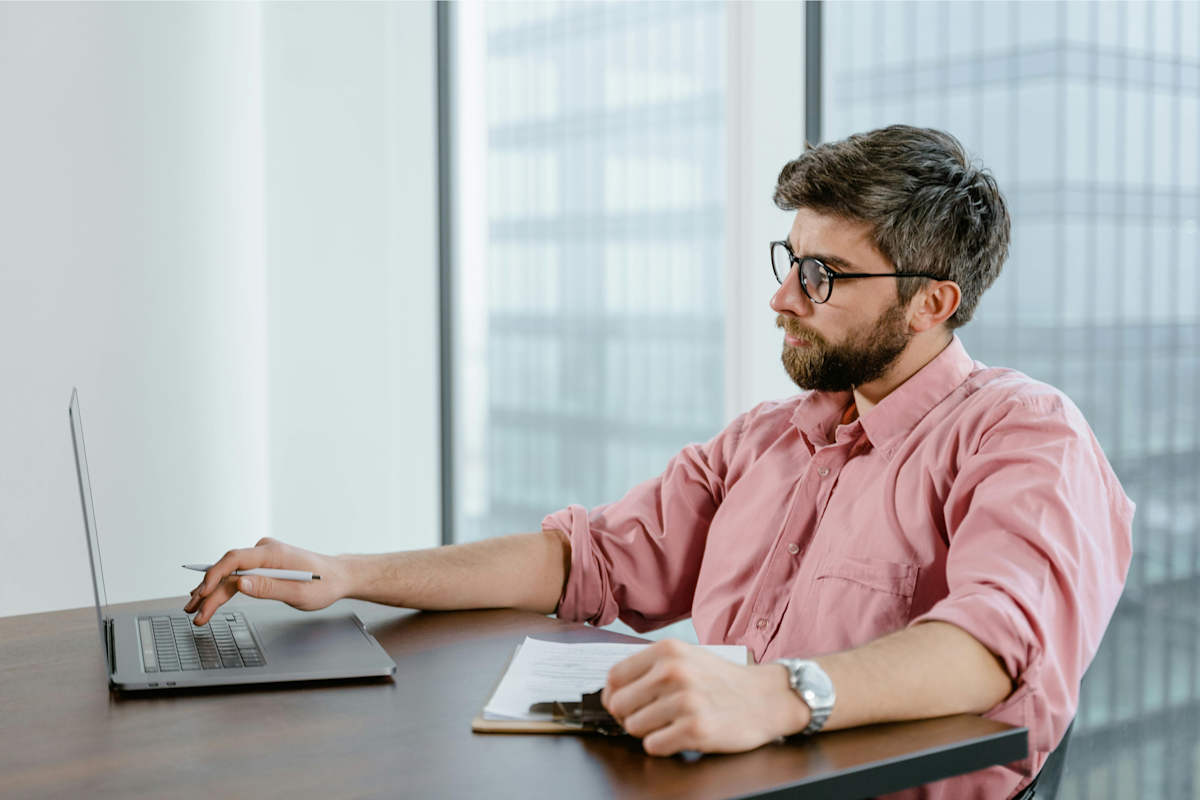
(63, 734)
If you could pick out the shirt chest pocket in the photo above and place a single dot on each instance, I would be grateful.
(856, 600)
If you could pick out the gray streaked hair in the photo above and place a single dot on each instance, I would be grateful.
(929, 207)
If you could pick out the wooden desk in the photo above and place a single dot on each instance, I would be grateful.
(63, 734)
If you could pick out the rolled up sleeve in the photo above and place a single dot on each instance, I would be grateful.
(1039, 547)
(639, 558)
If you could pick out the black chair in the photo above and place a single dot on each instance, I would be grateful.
(1045, 785)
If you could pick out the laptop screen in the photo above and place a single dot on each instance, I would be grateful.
(89, 522)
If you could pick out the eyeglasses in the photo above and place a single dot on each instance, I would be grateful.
(816, 279)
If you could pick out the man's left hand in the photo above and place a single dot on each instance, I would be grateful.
(676, 696)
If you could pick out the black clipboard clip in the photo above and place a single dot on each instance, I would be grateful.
(588, 715)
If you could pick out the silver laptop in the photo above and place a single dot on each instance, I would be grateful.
(155, 650)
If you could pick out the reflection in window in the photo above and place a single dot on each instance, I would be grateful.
(589, 261)
(1089, 115)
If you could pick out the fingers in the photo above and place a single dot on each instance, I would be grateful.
(290, 592)
(639, 663)
(643, 676)
(687, 733)
(205, 607)
(194, 602)
(261, 555)
(660, 713)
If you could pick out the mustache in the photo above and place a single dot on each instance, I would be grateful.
(792, 327)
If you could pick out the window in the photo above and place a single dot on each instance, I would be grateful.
(590, 175)
(1088, 115)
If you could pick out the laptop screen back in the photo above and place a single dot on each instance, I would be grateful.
(89, 522)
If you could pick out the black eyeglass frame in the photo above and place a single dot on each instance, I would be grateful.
(829, 274)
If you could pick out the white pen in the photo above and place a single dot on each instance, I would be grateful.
(281, 574)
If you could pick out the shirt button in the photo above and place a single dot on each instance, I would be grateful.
(762, 623)
(793, 548)
(822, 470)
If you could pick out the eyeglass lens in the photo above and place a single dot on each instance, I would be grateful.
(781, 261)
(815, 282)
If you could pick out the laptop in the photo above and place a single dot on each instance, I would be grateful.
(156, 650)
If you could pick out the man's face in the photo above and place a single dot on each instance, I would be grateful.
(854, 337)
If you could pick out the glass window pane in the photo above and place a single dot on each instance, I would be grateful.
(1088, 119)
(589, 254)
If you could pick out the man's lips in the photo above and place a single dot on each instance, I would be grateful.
(793, 341)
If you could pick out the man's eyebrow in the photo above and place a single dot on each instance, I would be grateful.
(833, 261)
(828, 260)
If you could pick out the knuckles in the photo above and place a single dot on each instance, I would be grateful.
(671, 647)
(674, 672)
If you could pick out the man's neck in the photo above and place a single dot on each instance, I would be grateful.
(923, 348)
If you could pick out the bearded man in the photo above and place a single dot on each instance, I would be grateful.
(914, 535)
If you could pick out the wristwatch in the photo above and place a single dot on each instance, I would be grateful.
(814, 687)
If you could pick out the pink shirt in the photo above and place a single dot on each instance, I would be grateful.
(972, 495)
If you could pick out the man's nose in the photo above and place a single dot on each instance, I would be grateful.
(790, 297)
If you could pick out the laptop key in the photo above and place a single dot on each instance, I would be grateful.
(149, 656)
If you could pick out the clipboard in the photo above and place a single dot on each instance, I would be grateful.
(587, 717)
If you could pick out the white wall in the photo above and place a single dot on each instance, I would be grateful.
(148, 255)
(765, 123)
(352, 254)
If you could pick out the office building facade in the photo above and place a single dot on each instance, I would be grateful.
(1089, 115)
(592, 248)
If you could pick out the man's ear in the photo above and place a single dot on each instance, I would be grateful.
(933, 305)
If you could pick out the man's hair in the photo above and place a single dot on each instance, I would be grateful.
(929, 208)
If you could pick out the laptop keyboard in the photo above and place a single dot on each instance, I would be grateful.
(174, 644)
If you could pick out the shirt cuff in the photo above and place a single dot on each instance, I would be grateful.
(587, 596)
(995, 621)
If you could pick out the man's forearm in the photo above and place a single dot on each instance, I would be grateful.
(930, 670)
(525, 570)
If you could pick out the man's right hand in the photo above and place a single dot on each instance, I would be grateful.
(219, 584)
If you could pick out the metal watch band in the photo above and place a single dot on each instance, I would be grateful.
(817, 721)
(814, 687)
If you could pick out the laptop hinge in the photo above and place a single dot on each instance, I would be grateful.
(112, 648)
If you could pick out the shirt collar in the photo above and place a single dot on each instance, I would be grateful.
(889, 423)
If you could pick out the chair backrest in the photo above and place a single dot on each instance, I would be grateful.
(1046, 787)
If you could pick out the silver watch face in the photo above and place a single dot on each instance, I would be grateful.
(815, 687)
(816, 684)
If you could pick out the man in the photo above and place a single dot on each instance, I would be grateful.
(938, 537)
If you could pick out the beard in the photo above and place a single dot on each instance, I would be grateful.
(865, 354)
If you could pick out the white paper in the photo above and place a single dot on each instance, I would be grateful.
(542, 672)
